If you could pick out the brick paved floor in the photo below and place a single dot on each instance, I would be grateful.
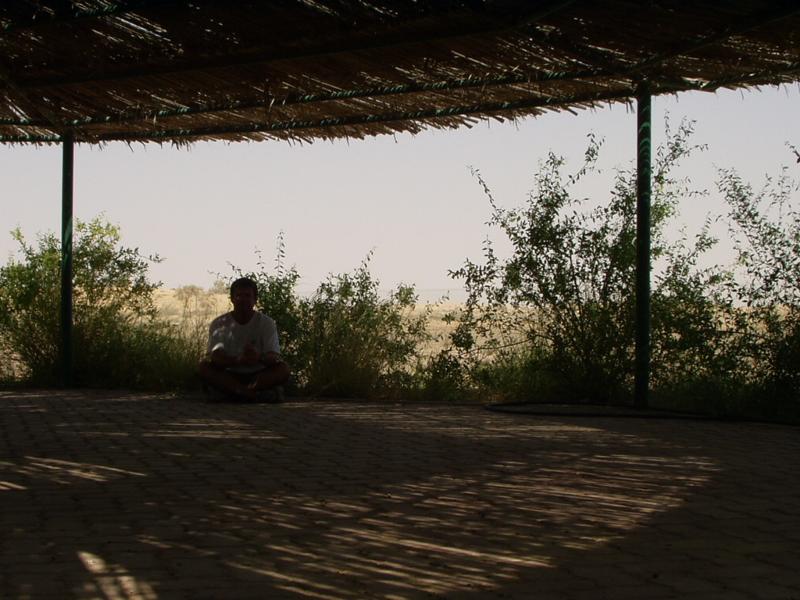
(118, 496)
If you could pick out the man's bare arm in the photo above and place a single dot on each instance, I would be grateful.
(222, 359)
(248, 357)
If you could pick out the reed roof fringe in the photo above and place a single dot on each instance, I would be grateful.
(181, 71)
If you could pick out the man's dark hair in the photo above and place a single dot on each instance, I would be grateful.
(245, 282)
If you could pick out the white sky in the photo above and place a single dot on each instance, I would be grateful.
(411, 199)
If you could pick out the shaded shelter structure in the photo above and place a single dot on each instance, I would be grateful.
(179, 71)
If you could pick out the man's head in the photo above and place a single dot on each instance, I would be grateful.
(244, 293)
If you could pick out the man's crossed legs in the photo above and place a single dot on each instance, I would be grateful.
(246, 386)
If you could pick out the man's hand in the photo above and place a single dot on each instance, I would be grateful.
(249, 356)
(271, 358)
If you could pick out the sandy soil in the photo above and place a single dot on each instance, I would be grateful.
(197, 307)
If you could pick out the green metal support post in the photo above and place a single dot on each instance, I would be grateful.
(643, 192)
(66, 259)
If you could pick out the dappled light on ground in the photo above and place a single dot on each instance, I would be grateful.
(112, 581)
(63, 471)
(349, 500)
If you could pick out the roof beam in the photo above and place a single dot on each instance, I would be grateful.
(420, 115)
(766, 77)
(293, 99)
(485, 109)
(480, 108)
(467, 83)
(30, 139)
(400, 38)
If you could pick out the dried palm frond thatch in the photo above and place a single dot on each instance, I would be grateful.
(177, 71)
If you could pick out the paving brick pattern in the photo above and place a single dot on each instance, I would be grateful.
(121, 496)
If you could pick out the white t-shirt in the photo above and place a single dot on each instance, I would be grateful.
(226, 333)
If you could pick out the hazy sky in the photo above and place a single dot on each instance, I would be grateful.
(411, 199)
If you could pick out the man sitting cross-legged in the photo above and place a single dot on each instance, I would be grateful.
(244, 358)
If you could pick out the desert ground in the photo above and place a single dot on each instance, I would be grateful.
(193, 306)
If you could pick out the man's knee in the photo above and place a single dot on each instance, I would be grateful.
(282, 372)
(275, 374)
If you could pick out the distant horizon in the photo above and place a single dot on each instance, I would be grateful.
(425, 296)
(410, 200)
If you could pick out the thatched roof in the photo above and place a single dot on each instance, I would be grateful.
(180, 71)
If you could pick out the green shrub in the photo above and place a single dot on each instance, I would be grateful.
(278, 297)
(556, 319)
(441, 377)
(345, 340)
(357, 343)
(765, 229)
(118, 340)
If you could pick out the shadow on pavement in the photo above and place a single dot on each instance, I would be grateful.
(126, 496)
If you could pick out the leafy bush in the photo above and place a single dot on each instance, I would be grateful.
(766, 233)
(118, 340)
(560, 309)
(278, 297)
(345, 340)
(356, 343)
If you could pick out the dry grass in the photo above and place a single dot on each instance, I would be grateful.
(193, 308)
(189, 302)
